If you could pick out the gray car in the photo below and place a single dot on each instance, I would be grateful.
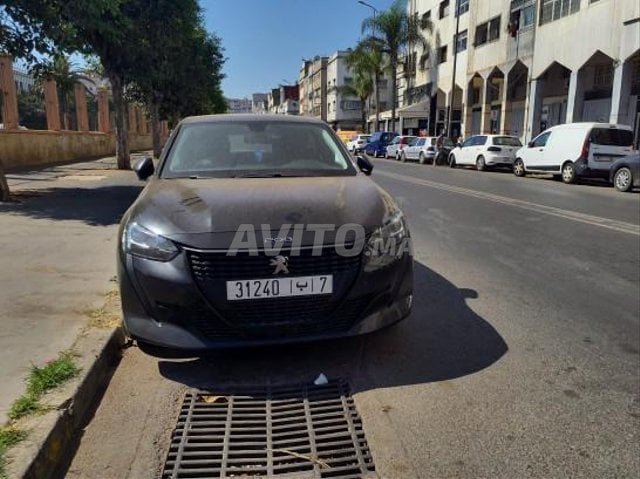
(625, 172)
(259, 230)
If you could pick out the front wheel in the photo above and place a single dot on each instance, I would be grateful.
(623, 179)
(518, 167)
(569, 172)
(480, 164)
(452, 161)
(422, 159)
(403, 157)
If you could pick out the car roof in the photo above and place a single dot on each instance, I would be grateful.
(245, 117)
(588, 125)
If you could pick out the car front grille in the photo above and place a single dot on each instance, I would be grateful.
(277, 317)
(214, 265)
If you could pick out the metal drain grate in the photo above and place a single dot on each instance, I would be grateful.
(293, 432)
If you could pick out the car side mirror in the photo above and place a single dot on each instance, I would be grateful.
(530, 144)
(365, 165)
(144, 168)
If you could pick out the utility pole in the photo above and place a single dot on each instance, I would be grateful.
(455, 62)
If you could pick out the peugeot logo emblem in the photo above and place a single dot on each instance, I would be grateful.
(281, 263)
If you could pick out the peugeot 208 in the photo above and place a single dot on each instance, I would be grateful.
(258, 230)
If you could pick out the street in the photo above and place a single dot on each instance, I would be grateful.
(520, 359)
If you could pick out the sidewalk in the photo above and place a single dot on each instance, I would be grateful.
(57, 260)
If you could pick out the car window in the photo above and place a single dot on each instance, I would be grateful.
(420, 142)
(260, 148)
(480, 140)
(541, 140)
(506, 141)
(448, 142)
(611, 137)
(396, 140)
(467, 142)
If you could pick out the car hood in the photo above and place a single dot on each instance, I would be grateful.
(207, 213)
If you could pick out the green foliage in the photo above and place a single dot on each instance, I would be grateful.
(31, 109)
(41, 380)
(394, 31)
(9, 437)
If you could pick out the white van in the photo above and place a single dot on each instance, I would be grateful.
(575, 149)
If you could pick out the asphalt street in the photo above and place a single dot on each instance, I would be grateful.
(521, 358)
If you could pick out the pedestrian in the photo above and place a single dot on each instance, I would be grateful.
(439, 148)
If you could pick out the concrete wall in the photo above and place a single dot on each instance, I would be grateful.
(24, 149)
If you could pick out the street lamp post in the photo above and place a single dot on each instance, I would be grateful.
(453, 76)
(375, 10)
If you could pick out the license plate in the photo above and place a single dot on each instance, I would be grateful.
(279, 287)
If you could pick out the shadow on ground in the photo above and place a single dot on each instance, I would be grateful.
(97, 206)
(442, 339)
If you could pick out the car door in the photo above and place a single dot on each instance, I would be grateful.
(393, 146)
(465, 151)
(417, 147)
(533, 156)
(606, 145)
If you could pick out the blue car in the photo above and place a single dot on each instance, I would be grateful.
(378, 142)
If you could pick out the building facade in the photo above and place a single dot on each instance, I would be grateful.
(312, 84)
(344, 111)
(521, 66)
(239, 105)
(259, 103)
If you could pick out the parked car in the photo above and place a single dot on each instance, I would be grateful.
(424, 149)
(625, 172)
(208, 257)
(573, 150)
(485, 151)
(357, 143)
(378, 143)
(397, 144)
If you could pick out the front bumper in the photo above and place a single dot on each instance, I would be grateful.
(166, 307)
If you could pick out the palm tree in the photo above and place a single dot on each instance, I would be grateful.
(65, 74)
(367, 58)
(396, 32)
(362, 61)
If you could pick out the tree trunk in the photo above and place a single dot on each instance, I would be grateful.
(4, 186)
(155, 126)
(376, 93)
(122, 135)
(363, 102)
(394, 92)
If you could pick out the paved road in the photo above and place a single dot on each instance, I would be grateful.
(520, 360)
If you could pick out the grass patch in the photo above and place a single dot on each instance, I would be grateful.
(9, 436)
(41, 380)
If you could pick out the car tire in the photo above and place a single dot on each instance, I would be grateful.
(623, 179)
(422, 158)
(569, 173)
(518, 168)
(480, 164)
(397, 156)
(403, 157)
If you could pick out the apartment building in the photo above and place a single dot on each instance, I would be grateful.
(259, 103)
(239, 105)
(522, 66)
(343, 111)
(312, 83)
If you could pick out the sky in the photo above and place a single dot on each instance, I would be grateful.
(266, 40)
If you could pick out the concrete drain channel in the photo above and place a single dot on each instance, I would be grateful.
(285, 432)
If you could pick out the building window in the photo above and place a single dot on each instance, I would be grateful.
(348, 80)
(461, 42)
(551, 10)
(442, 54)
(425, 20)
(349, 105)
(487, 32)
(463, 7)
(603, 76)
(475, 96)
(522, 16)
(444, 9)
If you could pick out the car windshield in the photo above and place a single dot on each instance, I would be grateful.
(255, 149)
(506, 141)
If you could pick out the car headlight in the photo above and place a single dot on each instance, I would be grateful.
(387, 243)
(139, 241)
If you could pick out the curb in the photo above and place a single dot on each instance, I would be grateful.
(53, 436)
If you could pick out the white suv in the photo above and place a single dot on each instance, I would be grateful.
(357, 143)
(575, 149)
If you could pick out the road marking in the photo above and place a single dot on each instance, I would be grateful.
(615, 225)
